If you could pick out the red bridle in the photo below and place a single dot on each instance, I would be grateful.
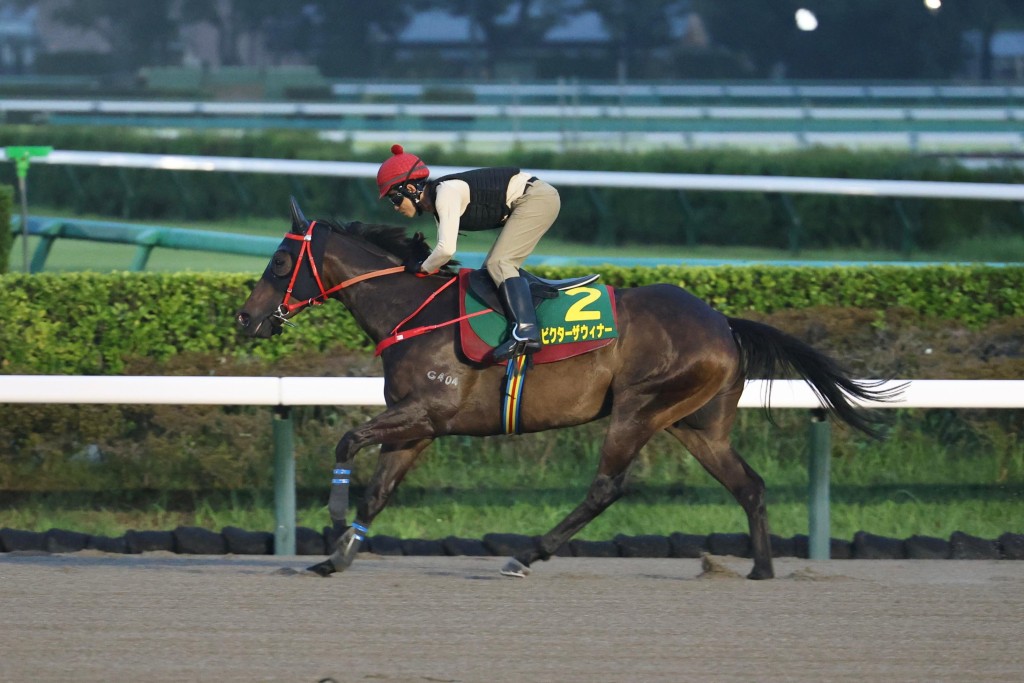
(306, 251)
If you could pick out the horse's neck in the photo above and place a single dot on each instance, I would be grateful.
(378, 306)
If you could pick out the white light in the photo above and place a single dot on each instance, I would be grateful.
(806, 21)
(933, 4)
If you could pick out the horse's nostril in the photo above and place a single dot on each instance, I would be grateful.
(242, 319)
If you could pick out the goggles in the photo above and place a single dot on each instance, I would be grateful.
(396, 196)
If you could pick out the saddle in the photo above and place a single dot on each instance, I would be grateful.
(483, 287)
(574, 315)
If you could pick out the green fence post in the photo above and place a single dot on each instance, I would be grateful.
(146, 241)
(818, 522)
(22, 157)
(284, 482)
(691, 218)
(129, 193)
(907, 236)
(796, 226)
(605, 228)
(47, 236)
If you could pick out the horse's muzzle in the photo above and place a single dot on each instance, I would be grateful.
(266, 328)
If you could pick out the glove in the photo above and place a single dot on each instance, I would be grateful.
(413, 266)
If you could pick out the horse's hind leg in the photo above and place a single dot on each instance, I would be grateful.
(623, 442)
(710, 444)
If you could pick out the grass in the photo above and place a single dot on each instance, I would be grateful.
(911, 484)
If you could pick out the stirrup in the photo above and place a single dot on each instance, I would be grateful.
(514, 347)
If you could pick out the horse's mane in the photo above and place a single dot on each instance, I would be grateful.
(393, 240)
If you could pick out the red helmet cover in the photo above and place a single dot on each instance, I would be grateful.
(400, 168)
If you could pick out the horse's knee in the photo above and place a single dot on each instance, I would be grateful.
(343, 451)
(603, 491)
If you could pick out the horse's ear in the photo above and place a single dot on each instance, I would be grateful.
(299, 222)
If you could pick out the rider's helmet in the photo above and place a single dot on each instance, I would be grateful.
(400, 169)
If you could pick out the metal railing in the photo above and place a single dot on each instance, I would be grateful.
(145, 238)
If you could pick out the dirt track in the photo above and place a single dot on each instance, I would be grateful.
(112, 618)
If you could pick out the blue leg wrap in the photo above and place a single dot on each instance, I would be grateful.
(337, 505)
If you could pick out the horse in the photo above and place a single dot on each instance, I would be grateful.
(677, 365)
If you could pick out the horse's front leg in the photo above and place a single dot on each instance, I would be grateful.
(395, 461)
(405, 431)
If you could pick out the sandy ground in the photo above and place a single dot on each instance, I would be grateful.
(159, 617)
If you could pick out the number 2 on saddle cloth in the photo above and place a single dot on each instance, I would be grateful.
(577, 321)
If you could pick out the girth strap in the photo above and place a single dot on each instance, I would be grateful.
(515, 377)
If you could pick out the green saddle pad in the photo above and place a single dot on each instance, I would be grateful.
(576, 315)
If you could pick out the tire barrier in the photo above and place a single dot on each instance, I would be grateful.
(232, 540)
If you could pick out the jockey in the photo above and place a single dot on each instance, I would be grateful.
(520, 205)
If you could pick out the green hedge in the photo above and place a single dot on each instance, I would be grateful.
(87, 323)
(6, 209)
(606, 216)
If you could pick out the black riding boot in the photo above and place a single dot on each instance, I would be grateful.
(525, 334)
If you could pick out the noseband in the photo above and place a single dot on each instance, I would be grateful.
(287, 308)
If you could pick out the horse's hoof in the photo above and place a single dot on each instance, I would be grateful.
(516, 569)
(760, 574)
(324, 568)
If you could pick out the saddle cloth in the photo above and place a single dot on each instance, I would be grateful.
(578, 321)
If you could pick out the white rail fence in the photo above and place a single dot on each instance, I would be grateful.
(282, 393)
(579, 178)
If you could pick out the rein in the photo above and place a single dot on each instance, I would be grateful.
(397, 336)
(306, 250)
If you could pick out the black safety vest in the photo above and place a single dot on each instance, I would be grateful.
(487, 190)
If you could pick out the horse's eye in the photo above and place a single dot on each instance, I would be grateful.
(281, 264)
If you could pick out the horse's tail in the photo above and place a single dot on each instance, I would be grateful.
(767, 352)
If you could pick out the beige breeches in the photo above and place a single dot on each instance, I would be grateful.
(532, 215)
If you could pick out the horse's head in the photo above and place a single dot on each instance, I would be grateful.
(286, 278)
(316, 259)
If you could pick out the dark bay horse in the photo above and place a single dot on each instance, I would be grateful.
(677, 365)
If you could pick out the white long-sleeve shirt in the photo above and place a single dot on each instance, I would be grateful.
(450, 203)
